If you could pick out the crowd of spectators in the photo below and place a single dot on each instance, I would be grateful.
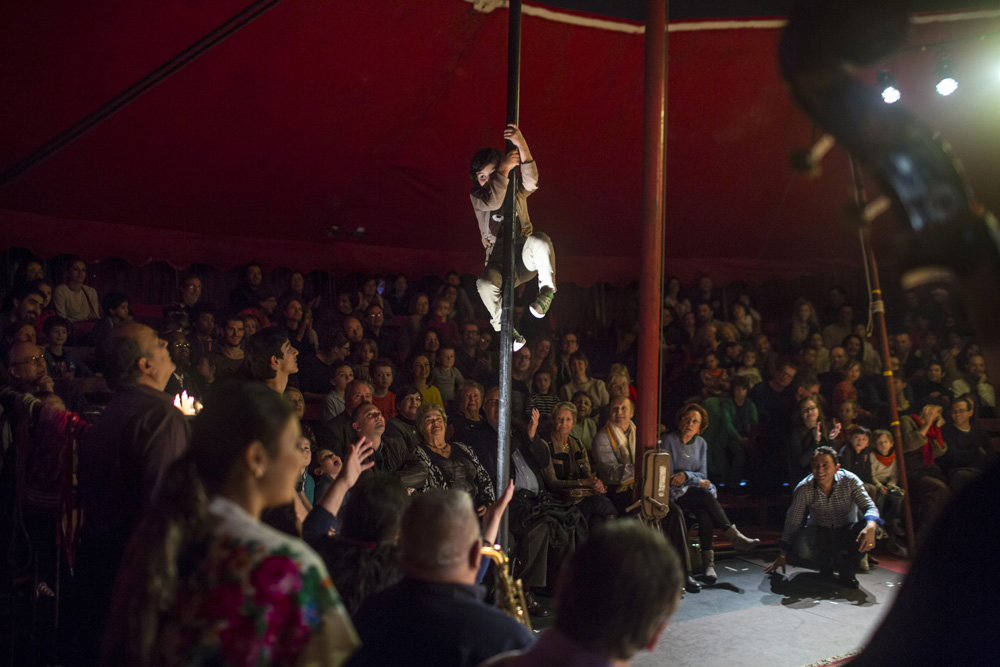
(347, 422)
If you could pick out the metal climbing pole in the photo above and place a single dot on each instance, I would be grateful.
(508, 233)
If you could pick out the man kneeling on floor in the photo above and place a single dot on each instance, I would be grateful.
(823, 522)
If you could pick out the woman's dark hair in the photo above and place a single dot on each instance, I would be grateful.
(373, 511)
(739, 382)
(364, 559)
(580, 356)
(482, 158)
(171, 539)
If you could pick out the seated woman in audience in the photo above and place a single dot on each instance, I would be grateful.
(614, 453)
(62, 361)
(568, 474)
(691, 489)
(795, 332)
(586, 427)
(618, 385)
(251, 325)
(974, 381)
(429, 345)
(673, 298)
(808, 433)
(579, 367)
(622, 369)
(871, 361)
(451, 465)
(466, 414)
(845, 389)
(334, 403)
(543, 355)
(420, 371)
(748, 367)
(689, 323)
(363, 557)
(744, 322)
(298, 403)
(521, 372)
(297, 320)
(420, 306)
(362, 358)
(73, 299)
(200, 581)
(886, 492)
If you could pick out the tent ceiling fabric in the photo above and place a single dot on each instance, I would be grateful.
(365, 114)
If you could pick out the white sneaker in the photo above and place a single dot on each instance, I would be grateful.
(518, 341)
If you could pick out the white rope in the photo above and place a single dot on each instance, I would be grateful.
(632, 28)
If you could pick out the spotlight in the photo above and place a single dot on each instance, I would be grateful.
(887, 83)
(946, 81)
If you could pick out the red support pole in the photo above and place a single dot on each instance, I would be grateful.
(654, 168)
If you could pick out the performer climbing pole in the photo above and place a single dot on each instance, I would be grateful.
(515, 253)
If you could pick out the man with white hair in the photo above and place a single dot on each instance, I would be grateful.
(436, 615)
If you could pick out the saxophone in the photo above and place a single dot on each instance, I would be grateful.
(511, 593)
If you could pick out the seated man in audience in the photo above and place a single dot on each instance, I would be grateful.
(338, 433)
(471, 362)
(247, 293)
(231, 357)
(271, 358)
(391, 455)
(26, 305)
(202, 336)
(262, 308)
(180, 312)
(404, 424)
(436, 614)
(564, 373)
(26, 367)
(182, 379)
(315, 369)
(123, 460)
(297, 320)
(829, 380)
(637, 578)
(828, 503)
(969, 447)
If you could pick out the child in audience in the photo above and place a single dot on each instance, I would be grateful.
(366, 352)
(445, 376)
(328, 467)
(383, 374)
(887, 494)
(543, 397)
(822, 363)
(849, 411)
(748, 367)
(856, 456)
(710, 363)
(333, 405)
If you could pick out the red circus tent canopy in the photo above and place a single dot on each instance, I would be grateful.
(365, 114)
